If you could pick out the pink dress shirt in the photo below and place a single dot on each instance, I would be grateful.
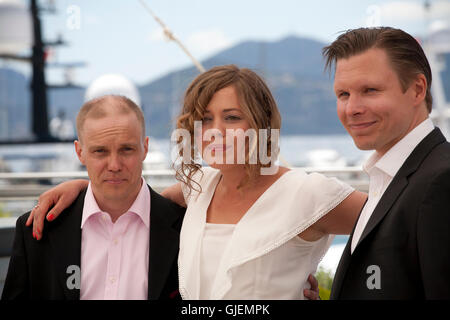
(114, 256)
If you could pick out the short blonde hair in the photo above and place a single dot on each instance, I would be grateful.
(98, 108)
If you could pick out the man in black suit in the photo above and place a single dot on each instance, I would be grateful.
(400, 246)
(112, 145)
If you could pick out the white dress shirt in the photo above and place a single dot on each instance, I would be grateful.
(382, 169)
(114, 256)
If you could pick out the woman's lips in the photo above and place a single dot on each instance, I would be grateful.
(218, 147)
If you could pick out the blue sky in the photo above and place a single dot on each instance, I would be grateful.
(118, 36)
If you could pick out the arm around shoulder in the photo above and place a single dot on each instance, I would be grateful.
(342, 218)
(175, 193)
(335, 204)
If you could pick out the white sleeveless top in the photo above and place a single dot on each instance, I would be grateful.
(216, 237)
(263, 258)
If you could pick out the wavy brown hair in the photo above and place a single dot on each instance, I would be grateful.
(257, 104)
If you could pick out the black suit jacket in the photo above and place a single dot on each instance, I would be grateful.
(408, 235)
(38, 269)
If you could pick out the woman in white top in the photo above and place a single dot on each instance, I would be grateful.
(252, 230)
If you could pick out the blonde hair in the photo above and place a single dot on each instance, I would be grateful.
(98, 108)
(257, 104)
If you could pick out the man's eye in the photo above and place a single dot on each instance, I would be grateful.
(99, 151)
(342, 94)
(371, 90)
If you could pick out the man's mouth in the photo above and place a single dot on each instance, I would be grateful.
(361, 125)
(114, 181)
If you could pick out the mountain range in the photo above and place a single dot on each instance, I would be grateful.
(293, 67)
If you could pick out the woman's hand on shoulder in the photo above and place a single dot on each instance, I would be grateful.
(175, 193)
(57, 199)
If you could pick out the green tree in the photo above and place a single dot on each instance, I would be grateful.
(325, 279)
(3, 213)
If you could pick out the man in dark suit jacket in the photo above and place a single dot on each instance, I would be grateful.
(39, 269)
(112, 149)
(400, 246)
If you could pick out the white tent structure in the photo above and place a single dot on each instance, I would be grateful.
(113, 84)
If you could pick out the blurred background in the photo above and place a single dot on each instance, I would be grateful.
(55, 55)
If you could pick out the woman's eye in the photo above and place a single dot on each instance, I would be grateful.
(206, 119)
(232, 118)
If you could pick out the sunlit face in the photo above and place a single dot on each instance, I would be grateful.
(371, 103)
(223, 117)
(113, 148)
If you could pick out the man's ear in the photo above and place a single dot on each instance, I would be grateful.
(419, 86)
(79, 150)
(146, 139)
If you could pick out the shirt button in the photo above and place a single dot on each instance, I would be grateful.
(112, 279)
(115, 241)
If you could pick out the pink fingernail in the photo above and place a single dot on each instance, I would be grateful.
(50, 217)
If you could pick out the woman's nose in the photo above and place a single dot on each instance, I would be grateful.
(219, 126)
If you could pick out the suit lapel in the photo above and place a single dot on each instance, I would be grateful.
(400, 181)
(65, 239)
(391, 194)
(164, 243)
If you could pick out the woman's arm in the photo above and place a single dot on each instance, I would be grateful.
(60, 197)
(342, 218)
(175, 194)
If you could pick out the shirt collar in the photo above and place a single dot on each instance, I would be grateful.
(394, 158)
(140, 207)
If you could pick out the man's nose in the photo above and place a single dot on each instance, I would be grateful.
(114, 163)
(354, 105)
